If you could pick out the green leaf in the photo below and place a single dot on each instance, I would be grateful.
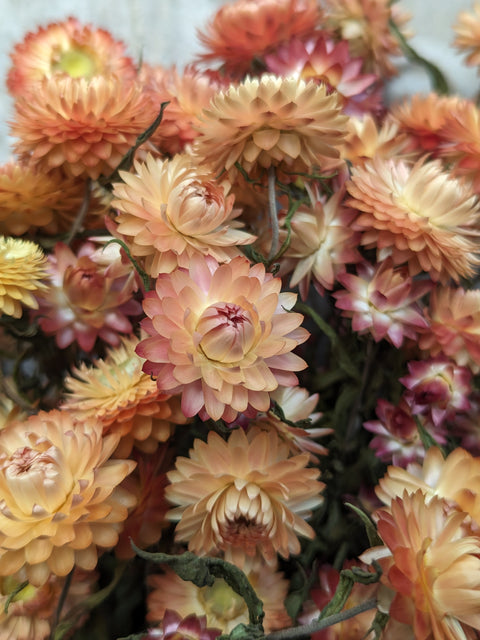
(373, 537)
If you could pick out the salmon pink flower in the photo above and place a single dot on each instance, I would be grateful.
(222, 335)
(174, 627)
(89, 296)
(467, 34)
(246, 496)
(381, 300)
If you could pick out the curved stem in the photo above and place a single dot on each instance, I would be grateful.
(273, 214)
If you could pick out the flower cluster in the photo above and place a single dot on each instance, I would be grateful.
(239, 325)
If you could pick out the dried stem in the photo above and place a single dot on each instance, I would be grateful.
(78, 222)
(273, 214)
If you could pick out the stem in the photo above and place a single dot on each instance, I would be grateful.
(273, 214)
(304, 632)
(61, 602)
(351, 426)
(77, 223)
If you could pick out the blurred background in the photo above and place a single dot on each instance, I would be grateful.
(164, 32)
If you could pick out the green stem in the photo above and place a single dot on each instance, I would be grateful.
(273, 213)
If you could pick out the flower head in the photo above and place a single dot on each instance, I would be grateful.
(244, 30)
(271, 122)
(61, 502)
(467, 34)
(366, 140)
(172, 210)
(83, 126)
(66, 48)
(246, 495)
(174, 627)
(222, 335)
(382, 301)
(419, 214)
(23, 266)
(89, 296)
(222, 607)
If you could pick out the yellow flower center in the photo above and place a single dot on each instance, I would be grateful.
(78, 63)
(221, 601)
(9, 584)
(226, 332)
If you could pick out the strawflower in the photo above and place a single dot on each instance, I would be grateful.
(222, 335)
(23, 271)
(174, 627)
(61, 504)
(246, 495)
(467, 34)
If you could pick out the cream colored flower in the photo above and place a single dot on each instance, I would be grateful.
(60, 501)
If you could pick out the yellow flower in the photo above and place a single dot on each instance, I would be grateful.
(172, 210)
(223, 607)
(222, 335)
(124, 399)
(420, 214)
(60, 500)
(22, 267)
(272, 122)
(246, 495)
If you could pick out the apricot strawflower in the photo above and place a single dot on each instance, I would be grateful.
(171, 210)
(383, 300)
(467, 34)
(89, 296)
(23, 272)
(243, 31)
(366, 140)
(271, 122)
(124, 398)
(222, 335)
(222, 607)
(66, 48)
(247, 495)
(83, 126)
(420, 215)
(61, 504)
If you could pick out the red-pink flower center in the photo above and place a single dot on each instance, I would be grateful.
(226, 332)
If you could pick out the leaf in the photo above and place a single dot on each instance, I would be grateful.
(373, 537)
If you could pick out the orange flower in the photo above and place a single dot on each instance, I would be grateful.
(30, 198)
(22, 268)
(454, 326)
(271, 122)
(83, 126)
(419, 214)
(66, 48)
(223, 607)
(246, 495)
(172, 210)
(467, 34)
(432, 567)
(61, 503)
(222, 335)
(244, 30)
(125, 400)
(365, 140)
(365, 25)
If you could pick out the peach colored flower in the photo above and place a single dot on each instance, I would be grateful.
(467, 34)
(322, 59)
(223, 335)
(30, 199)
(419, 214)
(83, 126)
(366, 140)
(124, 398)
(66, 48)
(455, 479)
(222, 607)
(243, 31)
(247, 495)
(432, 567)
(271, 122)
(61, 504)
(322, 242)
(169, 211)
(89, 296)
(382, 301)
(365, 25)
(454, 326)
(23, 266)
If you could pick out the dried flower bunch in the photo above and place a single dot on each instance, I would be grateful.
(240, 335)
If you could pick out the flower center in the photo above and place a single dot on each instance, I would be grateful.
(221, 601)
(77, 62)
(226, 332)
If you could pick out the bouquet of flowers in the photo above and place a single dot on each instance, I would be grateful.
(240, 335)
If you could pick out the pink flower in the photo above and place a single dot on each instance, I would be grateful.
(381, 300)
(222, 335)
(89, 296)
